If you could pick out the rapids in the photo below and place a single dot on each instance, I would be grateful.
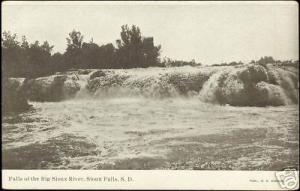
(157, 118)
(246, 85)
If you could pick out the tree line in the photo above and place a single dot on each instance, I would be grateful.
(30, 60)
(263, 61)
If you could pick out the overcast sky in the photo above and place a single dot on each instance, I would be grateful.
(205, 31)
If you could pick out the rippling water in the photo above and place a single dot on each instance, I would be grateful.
(141, 133)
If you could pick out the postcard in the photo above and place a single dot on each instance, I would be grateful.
(162, 95)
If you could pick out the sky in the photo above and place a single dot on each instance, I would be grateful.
(209, 32)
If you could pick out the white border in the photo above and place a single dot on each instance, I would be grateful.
(148, 2)
(145, 179)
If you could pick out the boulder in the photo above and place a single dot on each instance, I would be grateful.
(52, 88)
(14, 98)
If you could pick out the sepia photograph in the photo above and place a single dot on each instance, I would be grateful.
(175, 87)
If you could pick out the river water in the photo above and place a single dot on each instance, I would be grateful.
(148, 133)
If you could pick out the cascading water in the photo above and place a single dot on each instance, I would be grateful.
(249, 85)
(123, 119)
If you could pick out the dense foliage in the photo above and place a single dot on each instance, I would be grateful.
(30, 60)
(23, 59)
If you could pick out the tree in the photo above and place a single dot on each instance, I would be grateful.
(135, 50)
(14, 58)
(107, 56)
(74, 40)
(24, 59)
(25, 44)
(266, 60)
(9, 40)
(39, 59)
(73, 52)
(58, 62)
(89, 55)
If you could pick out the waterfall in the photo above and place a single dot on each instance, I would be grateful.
(246, 85)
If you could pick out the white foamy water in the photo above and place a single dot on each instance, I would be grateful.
(245, 85)
(124, 128)
(157, 118)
